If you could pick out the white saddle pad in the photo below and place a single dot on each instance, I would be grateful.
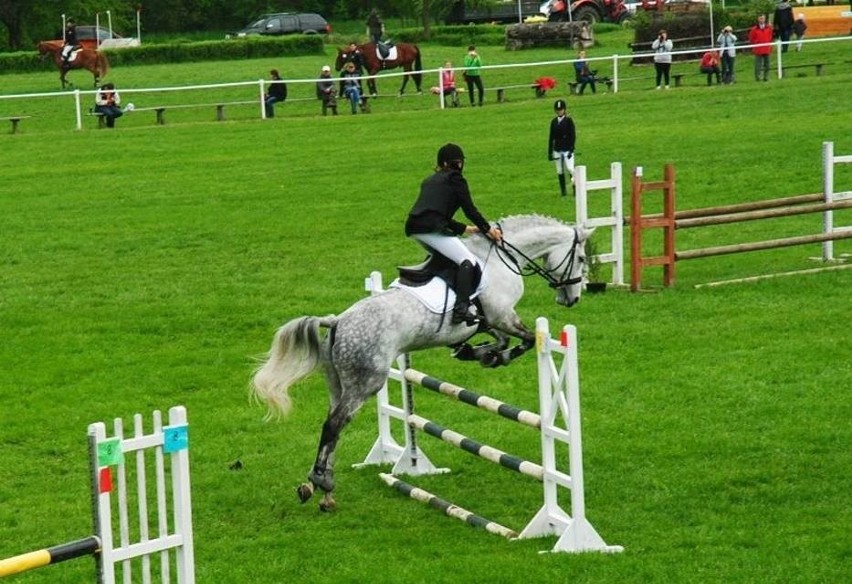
(433, 294)
(391, 54)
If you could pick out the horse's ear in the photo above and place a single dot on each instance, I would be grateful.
(586, 233)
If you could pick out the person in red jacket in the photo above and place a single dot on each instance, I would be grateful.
(761, 34)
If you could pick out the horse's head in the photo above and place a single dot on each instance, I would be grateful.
(567, 264)
(342, 58)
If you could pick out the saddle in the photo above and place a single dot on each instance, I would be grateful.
(385, 50)
(434, 283)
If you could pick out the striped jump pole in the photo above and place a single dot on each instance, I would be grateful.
(448, 508)
(472, 398)
(52, 555)
(482, 450)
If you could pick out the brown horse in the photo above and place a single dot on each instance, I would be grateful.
(95, 61)
(407, 57)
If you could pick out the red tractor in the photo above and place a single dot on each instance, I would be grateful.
(589, 10)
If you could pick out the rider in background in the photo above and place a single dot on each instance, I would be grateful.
(70, 38)
(376, 30)
(431, 224)
(375, 27)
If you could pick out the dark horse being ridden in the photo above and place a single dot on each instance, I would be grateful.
(94, 61)
(360, 344)
(407, 57)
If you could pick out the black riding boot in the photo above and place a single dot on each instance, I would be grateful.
(562, 185)
(464, 288)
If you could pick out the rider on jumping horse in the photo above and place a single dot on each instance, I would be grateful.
(431, 223)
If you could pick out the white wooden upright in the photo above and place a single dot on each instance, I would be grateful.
(110, 491)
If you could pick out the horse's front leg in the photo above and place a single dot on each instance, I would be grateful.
(468, 352)
(513, 326)
(371, 85)
(506, 356)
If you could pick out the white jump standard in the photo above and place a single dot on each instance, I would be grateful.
(558, 399)
(111, 463)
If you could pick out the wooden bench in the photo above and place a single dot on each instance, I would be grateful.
(817, 66)
(220, 109)
(15, 120)
(574, 86)
(501, 97)
(99, 116)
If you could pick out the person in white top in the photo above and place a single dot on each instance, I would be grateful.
(727, 42)
(662, 48)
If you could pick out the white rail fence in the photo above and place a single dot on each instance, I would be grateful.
(303, 89)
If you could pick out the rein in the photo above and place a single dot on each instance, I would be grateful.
(504, 252)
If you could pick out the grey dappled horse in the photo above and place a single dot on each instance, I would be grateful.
(362, 343)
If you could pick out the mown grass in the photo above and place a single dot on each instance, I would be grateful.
(149, 266)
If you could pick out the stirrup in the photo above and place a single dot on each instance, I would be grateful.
(467, 317)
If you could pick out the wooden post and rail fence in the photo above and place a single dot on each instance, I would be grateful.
(671, 220)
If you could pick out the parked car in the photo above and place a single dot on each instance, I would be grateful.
(284, 23)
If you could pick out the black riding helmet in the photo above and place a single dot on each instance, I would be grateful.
(449, 153)
(560, 105)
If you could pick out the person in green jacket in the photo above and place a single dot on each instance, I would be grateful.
(472, 64)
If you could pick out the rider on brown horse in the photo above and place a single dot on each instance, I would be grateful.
(70, 38)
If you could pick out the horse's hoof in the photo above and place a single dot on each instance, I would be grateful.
(327, 504)
(305, 491)
(490, 359)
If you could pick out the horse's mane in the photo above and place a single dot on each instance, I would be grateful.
(518, 222)
(521, 229)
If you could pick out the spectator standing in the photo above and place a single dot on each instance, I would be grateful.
(472, 74)
(326, 92)
(662, 47)
(584, 75)
(783, 22)
(761, 34)
(727, 48)
(799, 27)
(275, 93)
(350, 85)
(710, 66)
(560, 143)
(107, 102)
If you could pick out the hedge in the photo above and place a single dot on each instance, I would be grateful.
(182, 52)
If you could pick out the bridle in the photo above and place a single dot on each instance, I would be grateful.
(554, 278)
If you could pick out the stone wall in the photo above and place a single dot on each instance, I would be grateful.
(576, 35)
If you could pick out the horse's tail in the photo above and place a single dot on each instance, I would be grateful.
(294, 354)
(103, 64)
(418, 64)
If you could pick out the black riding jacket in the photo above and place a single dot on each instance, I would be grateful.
(562, 135)
(71, 35)
(441, 195)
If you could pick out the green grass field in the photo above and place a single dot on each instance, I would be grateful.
(150, 265)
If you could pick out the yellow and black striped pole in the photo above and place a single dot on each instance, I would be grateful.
(51, 555)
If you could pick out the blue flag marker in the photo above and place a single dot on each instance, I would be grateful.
(175, 438)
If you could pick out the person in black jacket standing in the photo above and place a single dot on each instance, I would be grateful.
(431, 224)
(783, 23)
(560, 143)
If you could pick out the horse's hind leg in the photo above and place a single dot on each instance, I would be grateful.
(322, 473)
(345, 403)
